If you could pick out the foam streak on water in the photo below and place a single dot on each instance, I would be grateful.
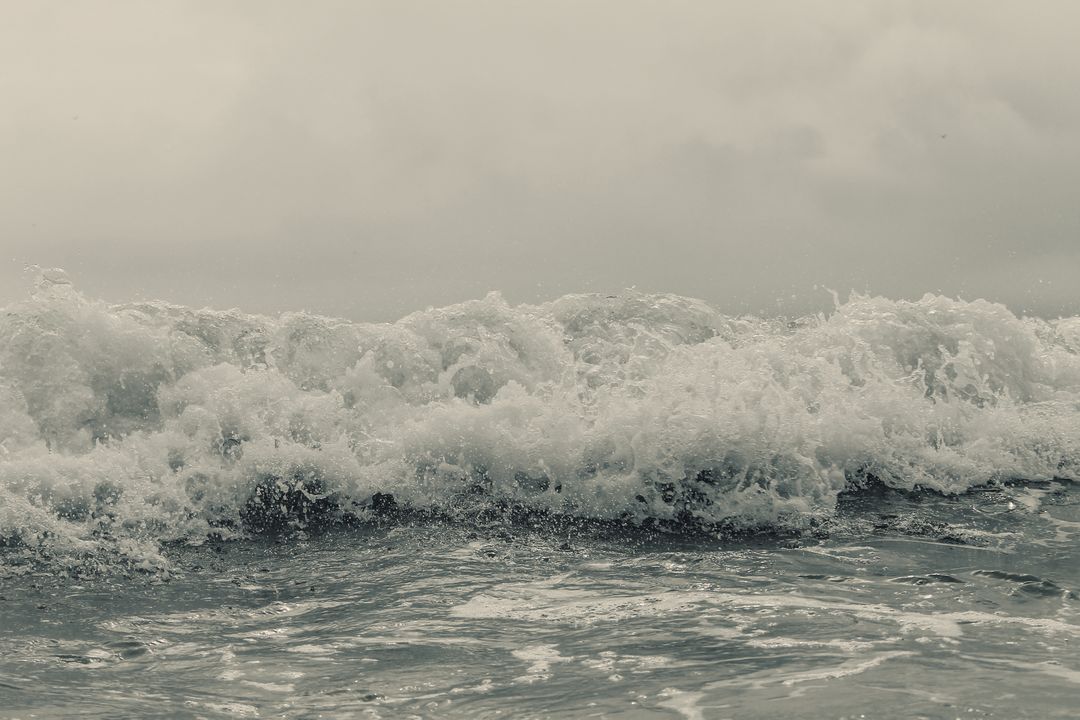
(122, 427)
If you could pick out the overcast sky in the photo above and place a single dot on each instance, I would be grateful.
(368, 159)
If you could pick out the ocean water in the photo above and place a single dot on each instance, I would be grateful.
(602, 506)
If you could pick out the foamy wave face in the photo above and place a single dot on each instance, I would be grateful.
(144, 423)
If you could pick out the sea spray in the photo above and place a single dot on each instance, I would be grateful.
(125, 426)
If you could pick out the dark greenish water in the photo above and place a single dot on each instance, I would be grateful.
(442, 620)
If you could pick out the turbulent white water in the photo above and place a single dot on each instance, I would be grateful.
(123, 426)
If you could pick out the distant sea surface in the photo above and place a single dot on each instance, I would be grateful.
(602, 506)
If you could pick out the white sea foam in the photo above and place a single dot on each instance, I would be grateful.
(124, 426)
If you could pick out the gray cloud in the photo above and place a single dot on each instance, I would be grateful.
(368, 159)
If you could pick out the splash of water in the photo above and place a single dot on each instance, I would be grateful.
(125, 426)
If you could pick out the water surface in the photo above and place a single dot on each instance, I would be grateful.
(444, 620)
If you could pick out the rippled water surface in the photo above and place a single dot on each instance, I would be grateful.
(604, 505)
(916, 606)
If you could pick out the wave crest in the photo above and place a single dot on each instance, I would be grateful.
(151, 422)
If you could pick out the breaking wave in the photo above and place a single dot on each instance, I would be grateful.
(125, 426)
